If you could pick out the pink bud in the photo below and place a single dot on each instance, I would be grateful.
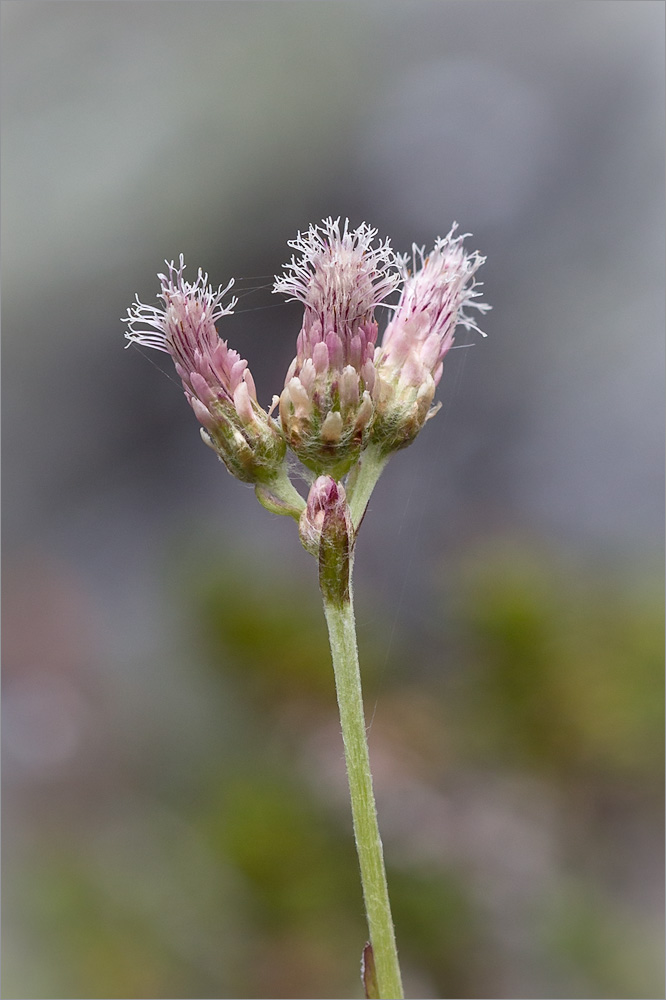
(236, 374)
(335, 349)
(307, 376)
(202, 414)
(243, 404)
(348, 387)
(365, 412)
(249, 381)
(326, 501)
(299, 398)
(201, 388)
(320, 358)
(331, 429)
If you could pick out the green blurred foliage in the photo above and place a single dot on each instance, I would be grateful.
(439, 928)
(292, 857)
(266, 630)
(96, 943)
(566, 665)
(239, 877)
(605, 943)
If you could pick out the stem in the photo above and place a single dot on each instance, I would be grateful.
(342, 634)
(362, 481)
(280, 496)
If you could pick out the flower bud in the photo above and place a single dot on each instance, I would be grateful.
(326, 406)
(409, 362)
(326, 532)
(217, 382)
(325, 494)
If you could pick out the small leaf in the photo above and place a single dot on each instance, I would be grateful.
(334, 561)
(369, 973)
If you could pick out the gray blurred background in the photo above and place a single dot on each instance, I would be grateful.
(175, 815)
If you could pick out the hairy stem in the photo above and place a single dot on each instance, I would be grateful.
(362, 481)
(342, 634)
(280, 496)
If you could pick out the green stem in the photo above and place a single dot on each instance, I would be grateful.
(280, 496)
(362, 481)
(342, 634)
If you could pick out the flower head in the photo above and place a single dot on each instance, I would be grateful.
(217, 382)
(437, 290)
(340, 277)
(326, 531)
(325, 496)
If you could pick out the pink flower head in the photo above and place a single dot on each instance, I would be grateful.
(437, 290)
(340, 278)
(326, 406)
(217, 382)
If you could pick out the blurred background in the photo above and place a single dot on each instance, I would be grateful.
(176, 816)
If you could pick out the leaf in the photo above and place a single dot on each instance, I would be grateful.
(369, 973)
(334, 561)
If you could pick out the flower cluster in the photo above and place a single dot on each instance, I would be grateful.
(343, 393)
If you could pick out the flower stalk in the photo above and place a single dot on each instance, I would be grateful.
(344, 652)
(327, 532)
(362, 481)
